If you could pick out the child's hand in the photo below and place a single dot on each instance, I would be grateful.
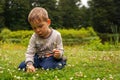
(30, 68)
(56, 53)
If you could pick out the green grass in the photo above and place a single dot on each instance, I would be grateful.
(81, 65)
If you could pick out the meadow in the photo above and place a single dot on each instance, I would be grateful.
(84, 63)
(88, 58)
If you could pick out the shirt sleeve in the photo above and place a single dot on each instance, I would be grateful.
(30, 50)
(60, 44)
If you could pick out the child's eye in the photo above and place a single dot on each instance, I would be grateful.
(40, 26)
(34, 28)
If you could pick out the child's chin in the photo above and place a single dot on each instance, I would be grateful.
(41, 36)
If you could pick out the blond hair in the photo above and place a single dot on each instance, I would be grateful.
(38, 14)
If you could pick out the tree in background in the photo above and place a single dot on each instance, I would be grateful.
(104, 13)
(16, 12)
(117, 12)
(85, 17)
(2, 19)
(70, 13)
(63, 13)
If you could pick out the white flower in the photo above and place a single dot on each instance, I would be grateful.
(71, 78)
(111, 77)
(18, 77)
(60, 64)
(8, 69)
(23, 69)
(1, 71)
(19, 69)
(34, 78)
(98, 79)
(37, 74)
(47, 69)
(14, 76)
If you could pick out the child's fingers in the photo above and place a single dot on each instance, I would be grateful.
(56, 55)
(56, 51)
(30, 68)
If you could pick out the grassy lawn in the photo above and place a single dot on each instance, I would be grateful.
(81, 65)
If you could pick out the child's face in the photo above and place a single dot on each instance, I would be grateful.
(41, 28)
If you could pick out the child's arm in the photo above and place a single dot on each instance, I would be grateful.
(30, 55)
(58, 51)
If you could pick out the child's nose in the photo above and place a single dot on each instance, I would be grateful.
(37, 29)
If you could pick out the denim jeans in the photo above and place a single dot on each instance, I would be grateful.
(45, 63)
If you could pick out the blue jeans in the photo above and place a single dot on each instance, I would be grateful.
(45, 63)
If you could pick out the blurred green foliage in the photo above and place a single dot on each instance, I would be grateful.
(84, 36)
(70, 36)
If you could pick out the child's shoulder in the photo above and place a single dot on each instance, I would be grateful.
(56, 32)
(34, 35)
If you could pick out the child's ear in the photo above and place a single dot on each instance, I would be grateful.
(49, 21)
